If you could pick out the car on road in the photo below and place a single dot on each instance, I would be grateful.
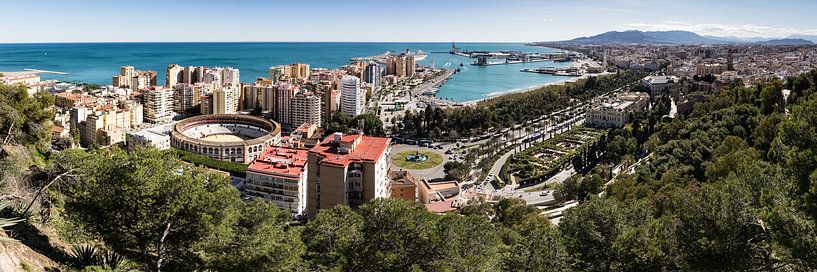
(544, 193)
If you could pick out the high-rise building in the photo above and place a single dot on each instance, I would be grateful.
(134, 79)
(294, 71)
(225, 100)
(226, 76)
(188, 96)
(258, 94)
(299, 70)
(275, 72)
(158, 102)
(282, 112)
(306, 108)
(347, 170)
(372, 73)
(193, 74)
(410, 64)
(352, 101)
(279, 175)
(230, 76)
(173, 75)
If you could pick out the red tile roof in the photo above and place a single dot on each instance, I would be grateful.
(369, 149)
(283, 162)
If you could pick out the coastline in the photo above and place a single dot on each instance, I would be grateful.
(528, 89)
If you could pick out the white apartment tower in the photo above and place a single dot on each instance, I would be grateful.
(158, 104)
(352, 98)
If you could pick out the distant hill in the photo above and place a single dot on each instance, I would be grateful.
(676, 37)
(812, 38)
(733, 39)
(786, 42)
(645, 37)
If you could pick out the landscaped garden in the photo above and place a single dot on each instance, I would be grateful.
(546, 158)
(417, 159)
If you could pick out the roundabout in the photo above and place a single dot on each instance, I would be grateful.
(417, 159)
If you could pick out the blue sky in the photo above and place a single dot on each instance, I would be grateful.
(390, 21)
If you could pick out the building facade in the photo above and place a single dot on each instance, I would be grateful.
(372, 73)
(616, 111)
(158, 104)
(352, 99)
(306, 108)
(225, 100)
(279, 175)
(347, 170)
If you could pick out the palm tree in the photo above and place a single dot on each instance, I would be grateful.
(529, 130)
(7, 222)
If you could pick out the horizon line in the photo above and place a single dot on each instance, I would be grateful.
(114, 42)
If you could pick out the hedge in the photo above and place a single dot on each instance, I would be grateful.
(234, 168)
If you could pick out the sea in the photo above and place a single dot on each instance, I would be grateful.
(99, 62)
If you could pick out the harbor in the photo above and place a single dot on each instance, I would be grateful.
(578, 68)
(485, 58)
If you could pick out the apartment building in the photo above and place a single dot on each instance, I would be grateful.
(352, 101)
(134, 79)
(158, 103)
(347, 170)
(279, 175)
(306, 108)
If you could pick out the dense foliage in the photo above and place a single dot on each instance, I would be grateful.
(341, 122)
(26, 118)
(152, 207)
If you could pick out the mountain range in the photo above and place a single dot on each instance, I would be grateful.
(681, 37)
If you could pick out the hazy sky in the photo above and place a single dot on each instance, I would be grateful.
(385, 20)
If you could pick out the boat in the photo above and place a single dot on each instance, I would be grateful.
(420, 55)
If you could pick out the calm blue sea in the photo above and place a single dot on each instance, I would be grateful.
(98, 62)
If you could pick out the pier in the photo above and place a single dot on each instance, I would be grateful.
(484, 62)
(44, 71)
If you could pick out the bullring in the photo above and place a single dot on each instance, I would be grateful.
(226, 137)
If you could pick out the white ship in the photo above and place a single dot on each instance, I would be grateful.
(420, 55)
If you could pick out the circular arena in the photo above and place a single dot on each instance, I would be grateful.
(226, 137)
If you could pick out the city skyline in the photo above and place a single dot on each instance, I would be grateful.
(388, 21)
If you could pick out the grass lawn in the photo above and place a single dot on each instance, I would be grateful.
(399, 159)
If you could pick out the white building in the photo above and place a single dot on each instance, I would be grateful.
(158, 103)
(158, 137)
(352, 98)
(616, 111)
(657, 84)
(279, 175)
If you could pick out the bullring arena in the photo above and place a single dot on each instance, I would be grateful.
(226, 137)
